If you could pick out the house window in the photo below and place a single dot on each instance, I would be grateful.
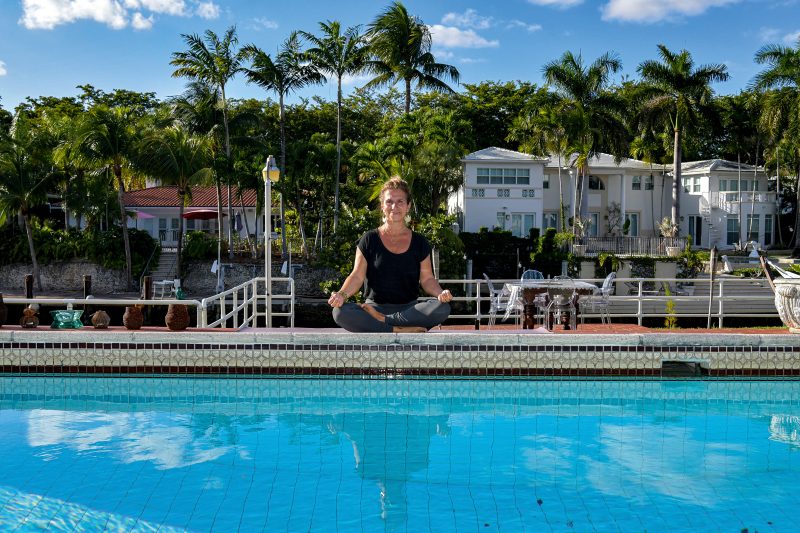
(723, 185)
(636, 183)
(594, 225)
(696, 184)
(190, 224)
(596, 184)
(478, 193)
(767, 230)
(633, 226)
(550, 220)
(546, 182)
(503, 193)
(752, 227)
(696, 229)
(733, 231)
(528, 193)
(648, 183)
(503, 176)
(501, 220)
(686, 184)
(521, 223)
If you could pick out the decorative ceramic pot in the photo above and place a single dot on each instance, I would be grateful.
(3, 311)
(29, 318)
(66, 319)
(177, 318)
(100, 319)
(787, 302)
(133, 317)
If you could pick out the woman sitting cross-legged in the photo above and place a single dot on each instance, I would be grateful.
(395, 262)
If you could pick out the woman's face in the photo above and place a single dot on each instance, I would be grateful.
(394, 205)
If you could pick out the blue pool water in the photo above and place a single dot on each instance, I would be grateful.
(207, 454)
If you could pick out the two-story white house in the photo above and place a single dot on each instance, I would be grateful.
(724, 203)
(516, 191)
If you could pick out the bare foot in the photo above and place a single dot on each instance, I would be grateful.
(409, 329)
(371, 311)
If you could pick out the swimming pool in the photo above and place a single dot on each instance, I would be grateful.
(147, 454)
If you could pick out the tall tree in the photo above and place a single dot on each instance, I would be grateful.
(215, 61)
(678, 94)
(289, 72)
(400, 46)
(337, 54)
(595, 112)
(23, 179)
(109, 140)
(781, 106)
(176, 157)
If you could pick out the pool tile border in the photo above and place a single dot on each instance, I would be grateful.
(310, 353)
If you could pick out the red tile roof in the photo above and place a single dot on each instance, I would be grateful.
(201, 197)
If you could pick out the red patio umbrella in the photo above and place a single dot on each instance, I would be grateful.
(201, 214)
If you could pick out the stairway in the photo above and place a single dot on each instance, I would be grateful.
(166, 268)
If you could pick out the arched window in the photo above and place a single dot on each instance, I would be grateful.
(596, 184)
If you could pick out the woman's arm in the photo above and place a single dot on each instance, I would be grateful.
(352, 284)
(430, 284)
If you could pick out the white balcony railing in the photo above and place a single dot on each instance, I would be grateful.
(729, 200)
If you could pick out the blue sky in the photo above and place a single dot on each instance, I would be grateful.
(47, 47)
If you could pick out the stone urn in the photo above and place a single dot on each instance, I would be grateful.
(177, 317)
(787, 302)
(3, 311)
(133, 317)
(100, 319)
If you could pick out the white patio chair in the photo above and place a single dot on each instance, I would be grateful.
(499, 301)
(531, 274)
(601, 300)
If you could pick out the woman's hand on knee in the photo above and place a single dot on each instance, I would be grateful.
(445, 296)
(337, 299)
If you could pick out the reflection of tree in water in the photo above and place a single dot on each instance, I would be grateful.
(388, 448)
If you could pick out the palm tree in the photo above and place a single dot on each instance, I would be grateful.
(176, 157)
(287, 73)
(109, 140)
(215, 62)
(594, 112)
(23, 180)
(781, 105)
(676, 93)
(338, 55)
(400, 46)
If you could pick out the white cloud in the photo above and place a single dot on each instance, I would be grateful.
(520, 24)
(467, 19)
(116, 14)
(264, 23)
(647, 11)
(208, 10)
(140, 22)
(791, 38)
(471, 60)
(3, 70)
(561, 4)
(443, 54)
(768, 34)
(450, 37)
(349, 79)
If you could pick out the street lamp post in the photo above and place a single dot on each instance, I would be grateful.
(270, 173)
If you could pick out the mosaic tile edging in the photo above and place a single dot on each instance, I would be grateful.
(269, 352)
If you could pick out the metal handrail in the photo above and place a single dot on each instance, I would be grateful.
(245, 298)
(147, 265)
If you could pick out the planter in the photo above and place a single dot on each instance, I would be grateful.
(100, 320)
(177, 317)
(66, 319)
(673, 251)
(579, 249)
(787, 302)
(133, 318)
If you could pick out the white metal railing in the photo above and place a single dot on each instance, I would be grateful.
(728, 200)
(646, 301)
(629, 245)
(244, 304)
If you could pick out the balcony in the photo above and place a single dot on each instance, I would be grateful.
(729, 201)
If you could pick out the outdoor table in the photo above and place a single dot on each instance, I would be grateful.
(525, 291)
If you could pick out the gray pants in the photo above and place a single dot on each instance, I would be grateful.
(425, 314)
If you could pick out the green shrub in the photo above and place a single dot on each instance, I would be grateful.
(199, 246)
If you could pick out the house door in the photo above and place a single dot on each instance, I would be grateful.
(696, 229)
(168, 229)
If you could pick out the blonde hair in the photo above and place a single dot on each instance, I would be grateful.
(396, 183)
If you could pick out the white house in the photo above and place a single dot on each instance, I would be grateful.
(516, 191)
(502, 188)
(156, 211)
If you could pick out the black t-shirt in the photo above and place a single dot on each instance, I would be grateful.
(393, 278)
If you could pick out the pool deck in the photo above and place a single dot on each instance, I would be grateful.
(592, 350)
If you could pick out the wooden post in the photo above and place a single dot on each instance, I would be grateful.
(28, 285)
(87, 286)
(147, 288)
